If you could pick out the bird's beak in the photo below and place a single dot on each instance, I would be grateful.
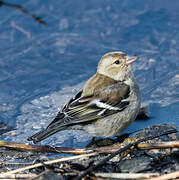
(131, 59)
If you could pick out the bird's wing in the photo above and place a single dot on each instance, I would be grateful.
(84, 108)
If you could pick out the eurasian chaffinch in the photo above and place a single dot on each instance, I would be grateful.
(106, 105)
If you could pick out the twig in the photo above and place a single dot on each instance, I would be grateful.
(126, 175)
(26, 147)
(160, 145)
(15, 163)
(22, 30)
(36, 148)
(67, 150)
(25, 11)
(48, 162)
(172, 175)
(127, 147)
(17, 176)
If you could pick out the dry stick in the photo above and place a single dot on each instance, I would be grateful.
(15, 163)
(48, 162)
(17, 176)
(36, 148)
(93, 167)
(125, 175)
(26, 147)
(25, 11)
(172, 175)
(160, 145)
(106, 149)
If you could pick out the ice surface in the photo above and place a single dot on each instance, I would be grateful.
(42, 66)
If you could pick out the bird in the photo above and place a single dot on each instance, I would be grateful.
(106, 105)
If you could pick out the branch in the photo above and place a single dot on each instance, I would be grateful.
(17, 176)
(173, 175)
(125, 175)
(68, 150)
(25, 11)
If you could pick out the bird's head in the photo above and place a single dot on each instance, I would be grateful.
(116, 65)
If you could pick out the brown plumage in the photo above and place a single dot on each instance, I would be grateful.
(106, 105)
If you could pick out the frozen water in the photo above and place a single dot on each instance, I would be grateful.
(42, 66)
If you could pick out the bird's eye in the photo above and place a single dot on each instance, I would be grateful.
(117, 62)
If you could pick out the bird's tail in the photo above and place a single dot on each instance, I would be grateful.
(43, 134)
